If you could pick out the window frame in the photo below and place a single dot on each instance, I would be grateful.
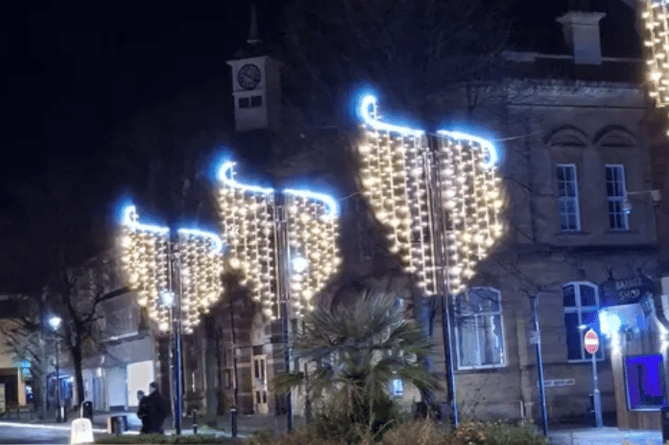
(615, 198)
(578, 309)
(456, 328)
(567, 198)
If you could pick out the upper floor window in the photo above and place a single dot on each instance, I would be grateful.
(581, 306)
(478, 329)
(567, 197)
(615, 194)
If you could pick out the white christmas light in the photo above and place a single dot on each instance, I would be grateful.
(249, 216)
(146, 262)
(471, 200)
(655, 16)
(396, 170)
(312, 230)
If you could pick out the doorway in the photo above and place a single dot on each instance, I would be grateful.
(260, 405)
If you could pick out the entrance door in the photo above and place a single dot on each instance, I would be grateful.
(98, 394)
(260, 405)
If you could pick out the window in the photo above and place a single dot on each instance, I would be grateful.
(256, 101)
(581, 303)
(615, 194)
(478, 329)
(567, 196)
(244, 102)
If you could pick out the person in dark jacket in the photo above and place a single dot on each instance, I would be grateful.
(157, 409)
(143, 413)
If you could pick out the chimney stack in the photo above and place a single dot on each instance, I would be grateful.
(581, 31)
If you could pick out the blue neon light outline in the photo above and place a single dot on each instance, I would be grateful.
(370, 100)
(493, 156)
(128, 210)
(218, 243)
(225, 176)
(330, 203)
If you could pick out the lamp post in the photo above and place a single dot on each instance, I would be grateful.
(439, 196)
(55, 322)
(534, 301)
(177, 275)
(285, 245)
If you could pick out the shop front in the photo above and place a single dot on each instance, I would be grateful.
(636, 343)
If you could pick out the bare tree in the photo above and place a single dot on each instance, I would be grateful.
(408, 49)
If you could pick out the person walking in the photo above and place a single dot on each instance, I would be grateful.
(157, 410)
(143, 412)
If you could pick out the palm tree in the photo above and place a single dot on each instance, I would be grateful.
(358, 350)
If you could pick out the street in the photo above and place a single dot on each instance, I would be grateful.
(19, 433)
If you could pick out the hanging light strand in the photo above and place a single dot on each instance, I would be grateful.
(395, 175)
(655, 16)
(146, 253)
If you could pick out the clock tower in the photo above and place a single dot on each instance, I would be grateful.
(256, 84)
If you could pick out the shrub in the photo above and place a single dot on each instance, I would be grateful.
(417, 432)
(164, 439)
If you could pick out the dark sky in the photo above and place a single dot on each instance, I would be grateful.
(76, 69)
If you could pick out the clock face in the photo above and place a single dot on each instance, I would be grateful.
(248, 76)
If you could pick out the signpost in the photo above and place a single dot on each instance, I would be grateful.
(591, 344)
(3, 404)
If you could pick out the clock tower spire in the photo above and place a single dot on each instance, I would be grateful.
(256, 83)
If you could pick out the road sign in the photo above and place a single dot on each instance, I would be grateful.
(591, 341)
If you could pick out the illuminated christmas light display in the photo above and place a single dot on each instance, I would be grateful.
(470, 192)
(398, 172)
(250, 218)
(312, 232)
(247, 214)
(393, 173)
(655, 17)
(146, 262)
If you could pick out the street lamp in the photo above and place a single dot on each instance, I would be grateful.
(284, 243)
(656, 195)
(177, 275)
(440, 198)
(55, 322)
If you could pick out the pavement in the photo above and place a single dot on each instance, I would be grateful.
(35, 431)
(608, 435)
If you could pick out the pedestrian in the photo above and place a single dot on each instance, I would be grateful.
(143, 412)
(157, 409)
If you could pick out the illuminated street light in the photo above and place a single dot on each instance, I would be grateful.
(177, 276)
(285, 244)
(55, 322)
(441, 205)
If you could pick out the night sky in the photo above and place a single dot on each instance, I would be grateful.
(75, 69)
(76, 72)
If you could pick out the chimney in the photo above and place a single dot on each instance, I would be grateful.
(581, 31)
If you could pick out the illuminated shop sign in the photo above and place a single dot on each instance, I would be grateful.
(626, 291)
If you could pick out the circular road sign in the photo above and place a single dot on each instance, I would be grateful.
(591, 341)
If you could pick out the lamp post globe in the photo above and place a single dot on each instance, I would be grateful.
(55, 322)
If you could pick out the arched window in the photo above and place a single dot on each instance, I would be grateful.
(581, 308)
(479, 333)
